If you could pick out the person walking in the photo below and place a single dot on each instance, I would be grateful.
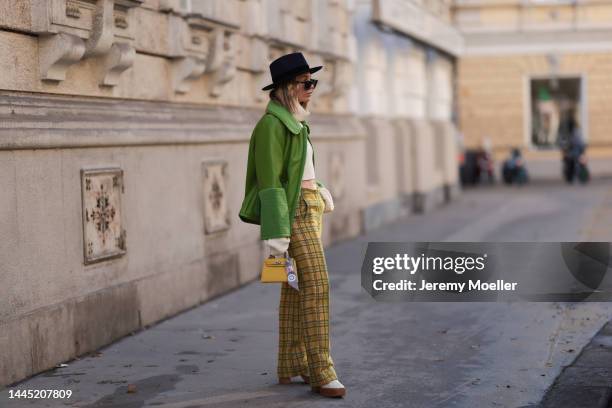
(283, 197)
(573, 150)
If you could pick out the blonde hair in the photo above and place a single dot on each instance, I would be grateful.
(286, 94)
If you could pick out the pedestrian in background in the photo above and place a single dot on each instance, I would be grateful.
(573, 150)
(283, 196)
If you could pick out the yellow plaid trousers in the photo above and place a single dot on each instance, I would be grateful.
(304, 346)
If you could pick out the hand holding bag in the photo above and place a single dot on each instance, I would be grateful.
(278, 270)
(327, 197)
(277, 246)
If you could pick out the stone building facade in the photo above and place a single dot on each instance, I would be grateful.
(407, 53)
(123, 147)
(527, 66)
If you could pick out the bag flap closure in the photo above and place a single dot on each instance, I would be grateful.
(275, 262)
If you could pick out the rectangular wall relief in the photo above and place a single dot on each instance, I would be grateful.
(216, 213)
(103, 235)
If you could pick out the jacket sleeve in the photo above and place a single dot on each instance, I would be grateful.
(269, 147)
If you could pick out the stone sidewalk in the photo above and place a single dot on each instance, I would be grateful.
(223, 353)
(587, 382)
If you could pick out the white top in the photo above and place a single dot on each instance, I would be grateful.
(309, 166)
(309, 173)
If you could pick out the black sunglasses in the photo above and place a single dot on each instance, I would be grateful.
(310, 83)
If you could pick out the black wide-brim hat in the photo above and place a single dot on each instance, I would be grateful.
(287, 67)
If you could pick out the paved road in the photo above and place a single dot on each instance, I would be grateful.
(223, 353)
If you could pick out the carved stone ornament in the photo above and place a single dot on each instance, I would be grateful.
(174, 6)
(221, 60)
(101, 37)
(103, 235)
(200, 46)
(260, 66)
(184, 71)
(120, 58)
(70, 30)
(57, 52)
(216, 212)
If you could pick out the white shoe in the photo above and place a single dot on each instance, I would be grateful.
(333, 384)
(331, 389)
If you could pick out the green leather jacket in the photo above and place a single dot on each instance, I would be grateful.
(275, 165)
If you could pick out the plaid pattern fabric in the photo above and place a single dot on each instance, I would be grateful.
(304, 346)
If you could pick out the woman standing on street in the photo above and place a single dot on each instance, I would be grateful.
(283, 196)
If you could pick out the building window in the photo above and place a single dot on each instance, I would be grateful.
(554, 101)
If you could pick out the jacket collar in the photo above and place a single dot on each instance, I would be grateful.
(286, 117)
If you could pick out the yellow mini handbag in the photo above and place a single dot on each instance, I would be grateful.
(279, 270)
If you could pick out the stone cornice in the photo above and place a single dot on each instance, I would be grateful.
(414, 21)
(540, 42)
(38, 121)
(202, 46)
(469, 4)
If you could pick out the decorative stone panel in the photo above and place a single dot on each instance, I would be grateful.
(215, 185)
(103, 235)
